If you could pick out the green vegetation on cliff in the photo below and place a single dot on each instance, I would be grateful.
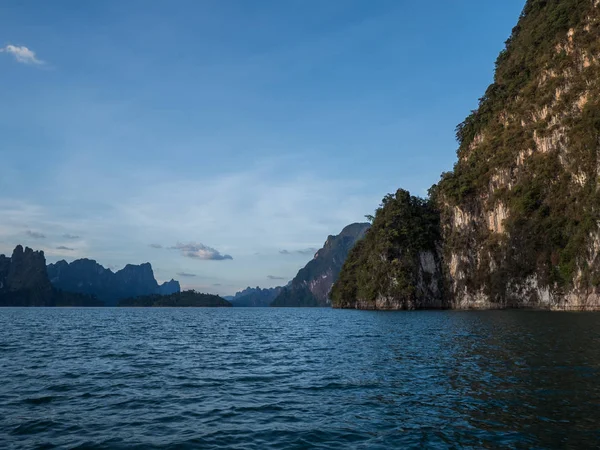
(386, 265)
(530, 152)
(178, 299)
(519, 213)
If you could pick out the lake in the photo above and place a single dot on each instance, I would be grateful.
(234, 378)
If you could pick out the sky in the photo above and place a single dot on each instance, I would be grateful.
(223, 141)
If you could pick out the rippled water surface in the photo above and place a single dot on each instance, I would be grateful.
(297, 378)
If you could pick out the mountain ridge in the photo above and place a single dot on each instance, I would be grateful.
(86, 276)
(255, 297)
(312, 285)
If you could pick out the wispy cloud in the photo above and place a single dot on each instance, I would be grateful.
(200, 251)
(273, 277)
(306, 251)
(70, 236)
(186, 274)
(252, 211)
(22, 54)
(35, 234)
(62, 247)
(156, 246)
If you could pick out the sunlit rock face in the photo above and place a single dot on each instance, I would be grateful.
(519, 213)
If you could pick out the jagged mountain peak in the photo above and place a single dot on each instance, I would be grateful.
(312, 285)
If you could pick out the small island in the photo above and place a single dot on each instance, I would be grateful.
(188, 299)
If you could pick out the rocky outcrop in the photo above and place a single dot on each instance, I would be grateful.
(24, 282)
(86, 276)
(312, 285)
(398, 264)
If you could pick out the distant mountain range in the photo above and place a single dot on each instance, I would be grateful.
(25, 280)
(312, 284)
(86, 276)
(254, 297)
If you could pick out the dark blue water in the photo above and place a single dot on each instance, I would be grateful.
(297, 378)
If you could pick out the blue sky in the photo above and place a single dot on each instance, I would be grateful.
(181, 132)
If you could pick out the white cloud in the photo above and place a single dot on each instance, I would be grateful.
(200, 251)
(22, 54)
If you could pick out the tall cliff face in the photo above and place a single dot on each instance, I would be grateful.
(519, 215)
(82, 275)
(312, 284)
(23, 275)
(4, 269)
(86, 276)
(134, 280)
(24, 282)
(520, 211)
(398, 264)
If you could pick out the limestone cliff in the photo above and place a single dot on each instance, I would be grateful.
(23, 275)
(24, 282)
(519, 212)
